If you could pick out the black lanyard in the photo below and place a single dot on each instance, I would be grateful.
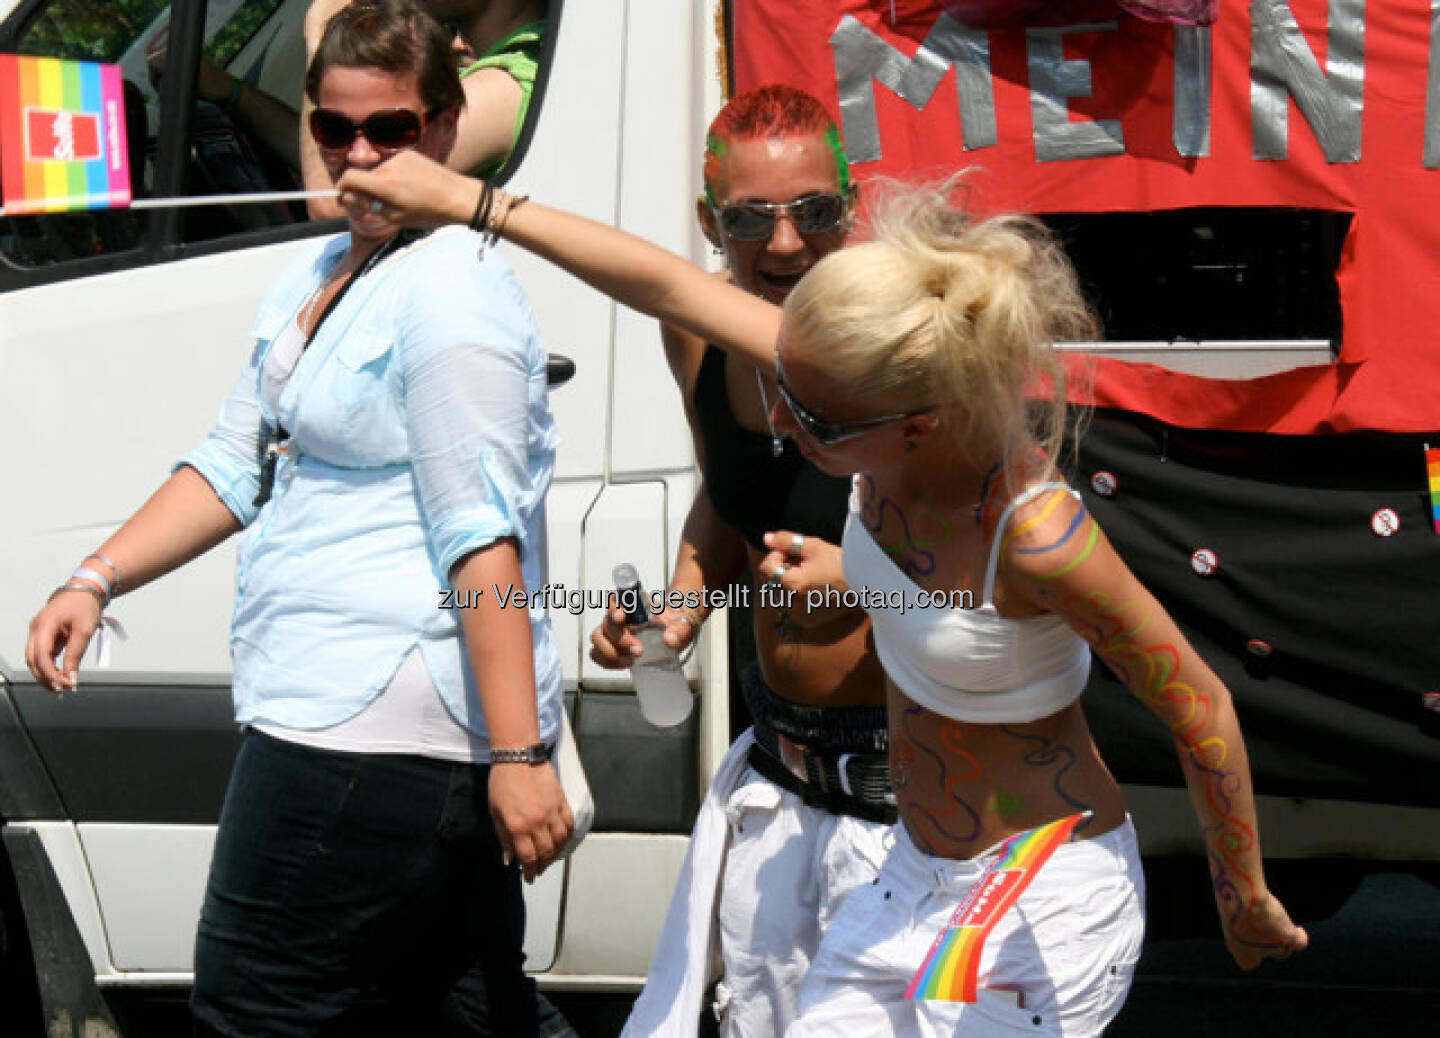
(272, 440)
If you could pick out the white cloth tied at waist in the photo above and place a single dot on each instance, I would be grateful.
(689, 942)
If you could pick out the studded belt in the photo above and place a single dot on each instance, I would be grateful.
(855, 784)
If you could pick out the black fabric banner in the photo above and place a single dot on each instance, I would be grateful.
(1327, 633)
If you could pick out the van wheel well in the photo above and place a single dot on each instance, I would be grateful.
(19, 993)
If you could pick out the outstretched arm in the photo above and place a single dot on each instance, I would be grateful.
(630, 270)
(1057, 558)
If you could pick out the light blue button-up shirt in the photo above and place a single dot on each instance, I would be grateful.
(419, 432)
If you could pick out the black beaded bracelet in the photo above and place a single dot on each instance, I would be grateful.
(480, 221)
(512, 202)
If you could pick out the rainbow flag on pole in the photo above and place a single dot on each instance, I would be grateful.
(1432, 470)
(62, 135)
(951, 970)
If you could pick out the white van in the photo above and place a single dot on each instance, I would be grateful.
(120, 333)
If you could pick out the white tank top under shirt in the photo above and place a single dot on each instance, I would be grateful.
(973, 665)
(408, 716)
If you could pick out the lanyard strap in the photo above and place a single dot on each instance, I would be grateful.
(395, 244)
(272, 442)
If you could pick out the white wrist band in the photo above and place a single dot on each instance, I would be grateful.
(85, 573)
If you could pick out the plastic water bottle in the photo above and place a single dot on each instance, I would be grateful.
(660, 684)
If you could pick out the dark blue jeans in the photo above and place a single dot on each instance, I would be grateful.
(350, 888)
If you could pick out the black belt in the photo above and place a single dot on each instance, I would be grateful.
(855, 784)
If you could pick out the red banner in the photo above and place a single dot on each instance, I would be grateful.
(1318, 104)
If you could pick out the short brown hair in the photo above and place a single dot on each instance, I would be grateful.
(396, 37)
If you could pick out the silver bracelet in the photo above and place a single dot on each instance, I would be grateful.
(535, 753)
(77, 585)
(115, 584)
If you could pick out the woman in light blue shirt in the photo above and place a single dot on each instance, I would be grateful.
(386, 452)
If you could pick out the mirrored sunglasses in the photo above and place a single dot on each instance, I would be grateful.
(390, 129)
(755, 221)
(825, 432)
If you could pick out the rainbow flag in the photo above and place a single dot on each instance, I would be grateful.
(951, 970)
(1432, 469)
(62, 135)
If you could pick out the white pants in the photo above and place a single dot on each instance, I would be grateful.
(762, 879)
(1068, 947)
(787, 870)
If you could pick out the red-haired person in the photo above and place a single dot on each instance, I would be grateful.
(795, 816)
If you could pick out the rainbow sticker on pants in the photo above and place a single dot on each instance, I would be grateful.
(62, 135)
(951, 970)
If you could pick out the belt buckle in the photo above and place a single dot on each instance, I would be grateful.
(843, 771)
(795, 758)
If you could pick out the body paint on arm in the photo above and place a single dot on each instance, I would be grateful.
(1151, 672)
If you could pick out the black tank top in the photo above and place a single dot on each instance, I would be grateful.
(749, 487)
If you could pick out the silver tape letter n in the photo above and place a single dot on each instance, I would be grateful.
(1282, 64)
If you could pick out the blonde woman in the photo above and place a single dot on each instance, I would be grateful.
(909, 361)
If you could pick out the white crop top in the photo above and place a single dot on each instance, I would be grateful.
(973, 665)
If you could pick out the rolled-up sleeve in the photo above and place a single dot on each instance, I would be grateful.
(467, 369)
(229, 458)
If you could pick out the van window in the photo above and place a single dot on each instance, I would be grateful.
(1210, 274)
(222, 157)
(257, 42)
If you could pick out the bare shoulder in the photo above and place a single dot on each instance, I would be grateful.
(684, 352)
(1048, 532)
(491, 84)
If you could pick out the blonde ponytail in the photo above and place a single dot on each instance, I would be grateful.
(941, 310)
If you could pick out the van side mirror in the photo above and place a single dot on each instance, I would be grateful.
(559, 369)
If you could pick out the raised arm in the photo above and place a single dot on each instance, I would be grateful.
(313, 175)
(711, 557)
(1058, 558)
(630, 270)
